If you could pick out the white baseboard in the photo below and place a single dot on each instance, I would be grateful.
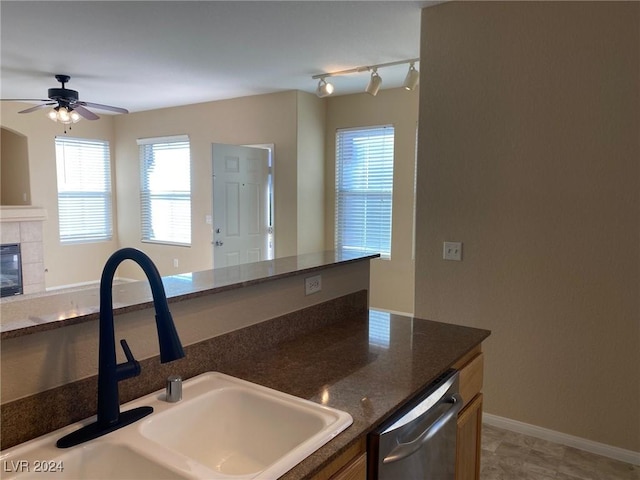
(628, 456)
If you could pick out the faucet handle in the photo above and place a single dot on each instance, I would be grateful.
(127, 350)
(129, 369)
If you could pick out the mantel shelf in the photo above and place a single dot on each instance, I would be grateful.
(22, 213)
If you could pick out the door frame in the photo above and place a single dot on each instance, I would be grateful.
(272, 196)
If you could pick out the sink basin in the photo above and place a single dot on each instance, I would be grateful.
(100, 461)
(240, 428)
(223, 428)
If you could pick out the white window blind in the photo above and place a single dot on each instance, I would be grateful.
(84, 190)
(165, 190)
(364, 190)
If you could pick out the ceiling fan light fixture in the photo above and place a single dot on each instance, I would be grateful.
(412, 79)
(68, 108)
(75, 116)
(64, 115)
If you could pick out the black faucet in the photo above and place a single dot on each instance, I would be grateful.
(109, 372)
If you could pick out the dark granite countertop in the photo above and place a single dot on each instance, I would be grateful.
(367, 368)
(27, 314)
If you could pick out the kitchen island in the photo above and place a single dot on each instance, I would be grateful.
(38, 312)
(327, 347)
(368, 364)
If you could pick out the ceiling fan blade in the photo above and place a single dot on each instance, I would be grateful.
(25, 100)
(84, 113)
(103, 107)
(37, 107)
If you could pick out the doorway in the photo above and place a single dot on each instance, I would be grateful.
(243, 223)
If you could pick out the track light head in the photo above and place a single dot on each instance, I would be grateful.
(374, 83)
(412, 79)
(324, 88)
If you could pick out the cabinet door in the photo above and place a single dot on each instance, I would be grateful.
(469, 438)
(471, 378)
(356, 470)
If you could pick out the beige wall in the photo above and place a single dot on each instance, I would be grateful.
(263, 119)
(14, 169)
(391, 280)
(529, 154)
(64, 264)
(311, 118)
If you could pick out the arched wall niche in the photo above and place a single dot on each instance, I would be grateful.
(15, 187)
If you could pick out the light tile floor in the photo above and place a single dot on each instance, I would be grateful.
(511, 456)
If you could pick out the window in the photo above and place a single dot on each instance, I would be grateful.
(84, 190)
(364, 189)
(165, 190)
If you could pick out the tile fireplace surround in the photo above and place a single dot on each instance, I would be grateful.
(23, 225)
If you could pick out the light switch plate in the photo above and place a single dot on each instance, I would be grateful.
(452, 251)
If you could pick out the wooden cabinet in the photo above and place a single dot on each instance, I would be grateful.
(470, 418)
(354, 470)
(349, 465)
(468, 446)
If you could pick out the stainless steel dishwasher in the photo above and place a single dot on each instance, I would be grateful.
(419, 441)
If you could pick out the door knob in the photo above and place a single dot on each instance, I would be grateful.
(219, 243)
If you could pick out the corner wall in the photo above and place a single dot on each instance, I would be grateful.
(311, 118)
(392, 285)
(529, 154)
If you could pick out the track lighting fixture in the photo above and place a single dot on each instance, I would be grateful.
(374, 83)
(412, 79)
(410, 83)
(324, 88)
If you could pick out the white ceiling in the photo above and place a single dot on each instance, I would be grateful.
(143, 55)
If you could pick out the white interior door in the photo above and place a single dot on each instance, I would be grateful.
(241, 205)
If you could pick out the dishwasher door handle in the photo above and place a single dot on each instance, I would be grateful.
(403, 450)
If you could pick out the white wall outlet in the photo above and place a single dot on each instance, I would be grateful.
(452, 251)
(312, 284)
(175, 263)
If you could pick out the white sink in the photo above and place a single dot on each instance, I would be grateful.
(95, 461)
(223, 428)
(240, 428)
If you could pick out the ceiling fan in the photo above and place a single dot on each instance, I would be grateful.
(68, 107)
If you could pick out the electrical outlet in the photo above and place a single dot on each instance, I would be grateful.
(312, 284)
(175, 263)
(452, 251)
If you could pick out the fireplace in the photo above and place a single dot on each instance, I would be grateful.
(21, 231)
(10, 270)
